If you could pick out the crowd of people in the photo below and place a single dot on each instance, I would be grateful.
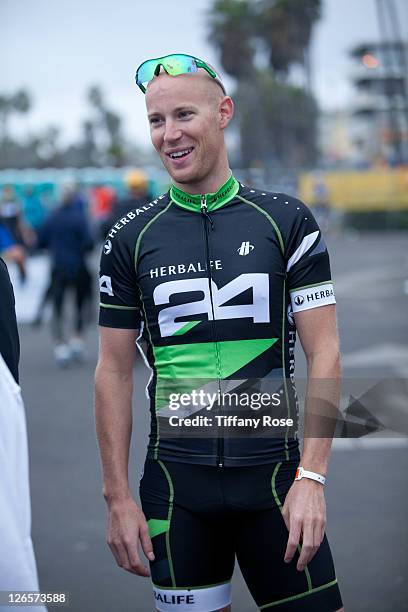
(67, 230)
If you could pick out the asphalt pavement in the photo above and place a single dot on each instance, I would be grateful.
(366, 493)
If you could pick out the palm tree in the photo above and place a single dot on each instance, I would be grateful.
(277, 121)
(110, 124)
(286, 28)
(231, 31)
(20, 102)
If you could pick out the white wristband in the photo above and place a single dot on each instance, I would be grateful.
(301, 473)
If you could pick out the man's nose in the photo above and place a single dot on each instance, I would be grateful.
(172, 132)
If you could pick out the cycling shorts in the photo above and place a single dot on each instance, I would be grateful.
(202, 517)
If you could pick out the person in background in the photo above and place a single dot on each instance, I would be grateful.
(11, 214)
(67, 236)
(137, 196)
(80, 200)
(18, 571)
(33, 209)
(321, 197)
(10, 250)
(102, 199)
(11, 218)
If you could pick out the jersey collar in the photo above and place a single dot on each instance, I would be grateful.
(194, 202)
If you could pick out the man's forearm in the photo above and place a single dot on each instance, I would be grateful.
(321, 410)
(113, 415)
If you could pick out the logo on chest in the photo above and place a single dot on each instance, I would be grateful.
(245, 248)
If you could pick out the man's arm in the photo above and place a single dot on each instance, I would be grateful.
(305, 508)
(319, 338)
(113, 413)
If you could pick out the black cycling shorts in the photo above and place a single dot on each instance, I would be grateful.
(201, 517)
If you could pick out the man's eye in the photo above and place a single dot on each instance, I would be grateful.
(154, 120)
(185, 114)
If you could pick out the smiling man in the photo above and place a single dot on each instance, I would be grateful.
(215, 278)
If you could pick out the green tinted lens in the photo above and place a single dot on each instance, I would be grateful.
(172, 64)
(179, 64)
(145, 73)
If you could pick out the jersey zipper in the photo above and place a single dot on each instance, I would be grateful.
(207, 221)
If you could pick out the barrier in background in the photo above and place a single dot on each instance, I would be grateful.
(358, 191)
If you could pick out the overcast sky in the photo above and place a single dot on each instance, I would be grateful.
(57, 48)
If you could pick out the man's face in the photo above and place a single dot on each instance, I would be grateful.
(186, 124)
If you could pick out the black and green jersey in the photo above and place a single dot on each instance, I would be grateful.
(212, 282)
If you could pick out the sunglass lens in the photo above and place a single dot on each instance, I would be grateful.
(145, 72)
(179, 64)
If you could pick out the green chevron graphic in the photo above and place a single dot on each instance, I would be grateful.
(200, 360)
(180, 367)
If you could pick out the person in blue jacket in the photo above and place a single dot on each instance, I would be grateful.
(67, 236)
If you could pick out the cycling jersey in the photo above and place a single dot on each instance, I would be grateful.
(212, 281)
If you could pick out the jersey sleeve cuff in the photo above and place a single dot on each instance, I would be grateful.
(122, 318)
(312, 296)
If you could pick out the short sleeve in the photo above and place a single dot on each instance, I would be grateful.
(307, 261)
(119, 291)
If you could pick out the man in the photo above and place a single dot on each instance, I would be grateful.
(66, 234)
(208, 274)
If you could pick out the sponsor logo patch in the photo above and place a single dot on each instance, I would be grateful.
(312, 297)
(245, 248)
(291, 318)
(107, 247)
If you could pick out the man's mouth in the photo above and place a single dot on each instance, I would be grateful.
(180, 154)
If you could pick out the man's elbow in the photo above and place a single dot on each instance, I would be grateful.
(109, 370)
(328, 357)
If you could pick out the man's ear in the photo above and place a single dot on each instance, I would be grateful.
(226, 111)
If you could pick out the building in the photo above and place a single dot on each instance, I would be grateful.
(380, 108)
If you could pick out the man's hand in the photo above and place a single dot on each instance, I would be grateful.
(126, 526)
(304, 512)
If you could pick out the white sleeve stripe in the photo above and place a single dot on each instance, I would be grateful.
(312, 297)
(304, 246)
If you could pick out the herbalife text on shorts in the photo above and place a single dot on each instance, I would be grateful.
(203, 399)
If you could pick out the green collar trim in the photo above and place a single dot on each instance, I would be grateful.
(193, 202)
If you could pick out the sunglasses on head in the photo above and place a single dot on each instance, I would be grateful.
(174, 64)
